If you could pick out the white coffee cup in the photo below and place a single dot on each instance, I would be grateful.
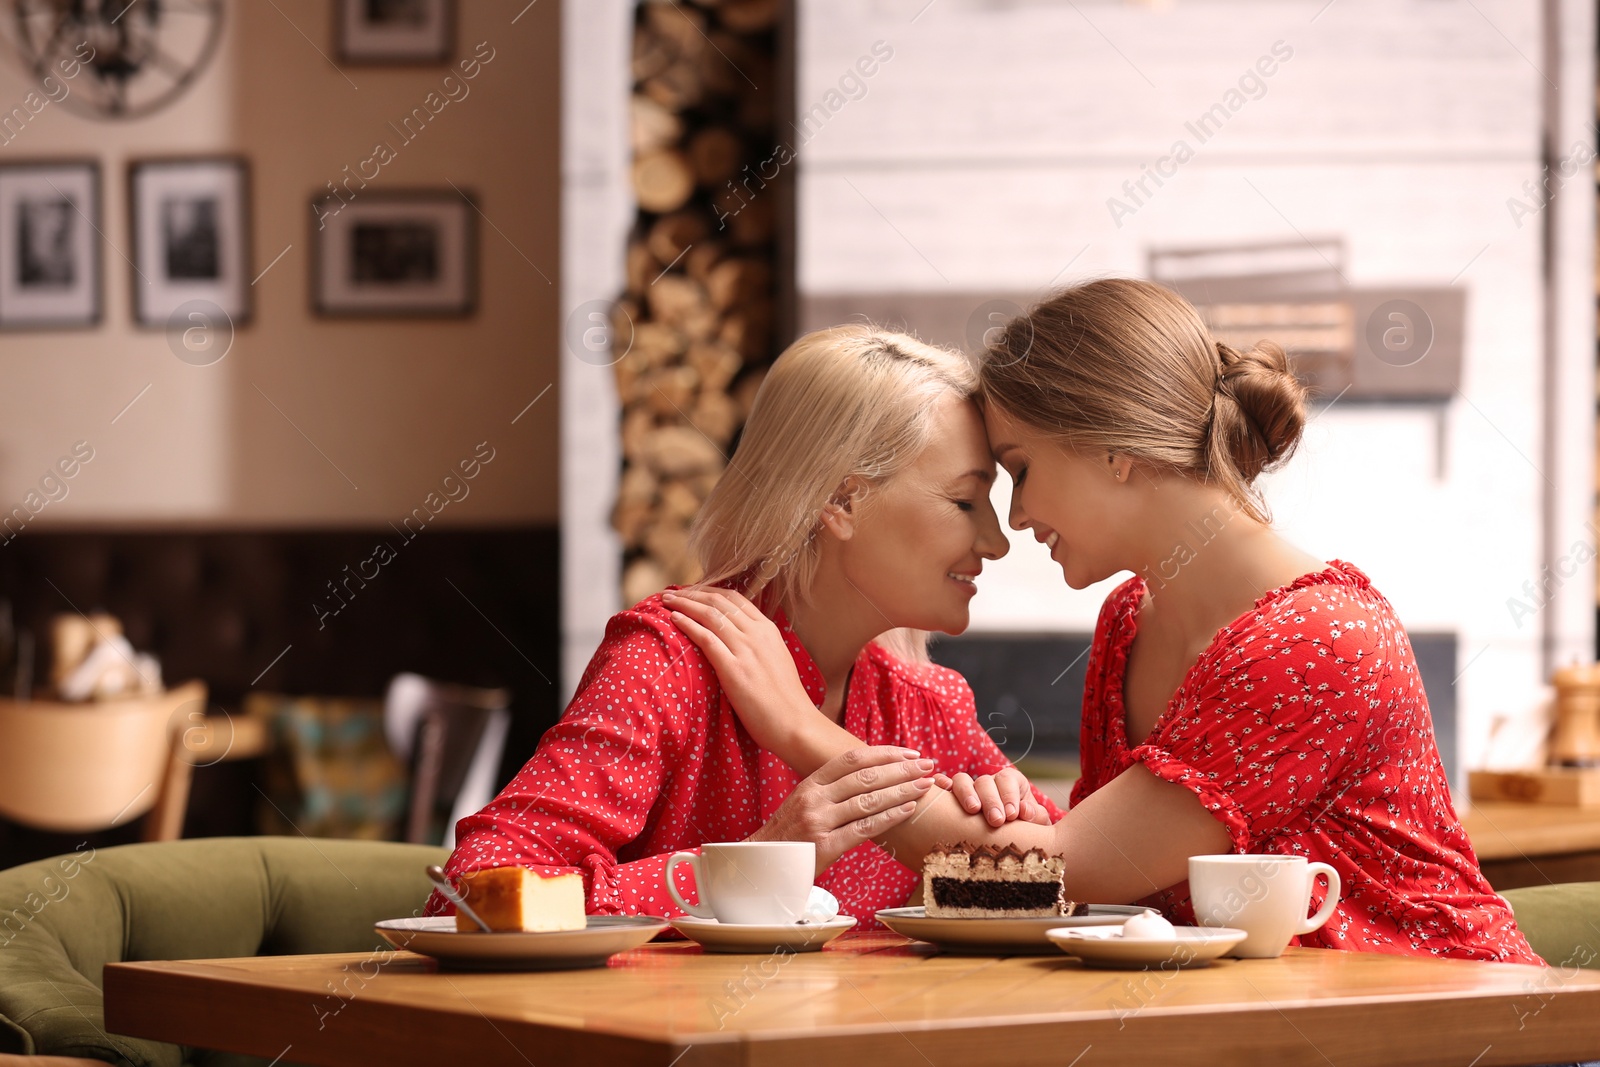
(748, 881)
(1265, 896)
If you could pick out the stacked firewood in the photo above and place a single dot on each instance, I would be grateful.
(697, 316)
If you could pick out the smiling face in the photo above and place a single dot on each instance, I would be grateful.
(915, 545)
(1075, 505)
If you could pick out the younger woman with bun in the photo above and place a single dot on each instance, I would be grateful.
(1242, 695)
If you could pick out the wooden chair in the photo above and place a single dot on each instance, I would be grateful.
(75, 768)
(452, 737)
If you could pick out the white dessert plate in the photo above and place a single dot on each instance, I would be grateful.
(556, 950)
(1008, 937)
(1190, 946)
(715, 936)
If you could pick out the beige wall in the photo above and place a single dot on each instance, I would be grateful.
(393, 404)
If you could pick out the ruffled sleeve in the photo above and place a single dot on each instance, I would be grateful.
(1212, 787)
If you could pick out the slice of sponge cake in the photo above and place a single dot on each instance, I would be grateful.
(516, 899)
(964, 881)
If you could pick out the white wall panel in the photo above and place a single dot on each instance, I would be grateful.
(597, 209)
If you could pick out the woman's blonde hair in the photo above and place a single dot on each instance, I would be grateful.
(1128, 367)
(848, 401)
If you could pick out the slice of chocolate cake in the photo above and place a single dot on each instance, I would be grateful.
(966, 881)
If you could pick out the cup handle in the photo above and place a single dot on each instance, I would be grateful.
(699, 911)
(1330, 902)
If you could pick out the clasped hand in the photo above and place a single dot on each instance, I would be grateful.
(855, 796)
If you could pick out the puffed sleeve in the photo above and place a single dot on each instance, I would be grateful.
(596, 775)
(1276, 715)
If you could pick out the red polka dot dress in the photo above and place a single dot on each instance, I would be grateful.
(1304, 728)
(650, 758)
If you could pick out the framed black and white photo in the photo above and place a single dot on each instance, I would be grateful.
(394, 253)
(191, 236)
(49, 244)
(394, 31)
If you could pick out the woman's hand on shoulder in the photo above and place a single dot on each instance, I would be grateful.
(1001, 797)
(851, 799)
(753, 664)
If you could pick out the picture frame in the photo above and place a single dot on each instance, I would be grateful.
(50, 238)
(396, 253)
(394, 32)
(190, 218)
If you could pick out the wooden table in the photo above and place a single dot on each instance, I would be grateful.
(873, 999)
(1534, 844)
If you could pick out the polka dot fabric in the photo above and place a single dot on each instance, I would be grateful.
(1303, 727)
(650, 758)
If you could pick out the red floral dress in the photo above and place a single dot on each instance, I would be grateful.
(649, 758)
(1304, 729)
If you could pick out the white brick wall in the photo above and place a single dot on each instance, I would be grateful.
(597, 209)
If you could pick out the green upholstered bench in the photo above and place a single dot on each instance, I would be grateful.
(1561, 922)
(62, 920)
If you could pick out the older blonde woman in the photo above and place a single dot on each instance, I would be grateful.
(856, 517)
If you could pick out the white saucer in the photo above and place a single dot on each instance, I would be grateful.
(715, 936)
(557, 950)
(1005, 937)
(1190, 946)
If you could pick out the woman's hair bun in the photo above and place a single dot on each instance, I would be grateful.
(1260, 409)
(1128, 367)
